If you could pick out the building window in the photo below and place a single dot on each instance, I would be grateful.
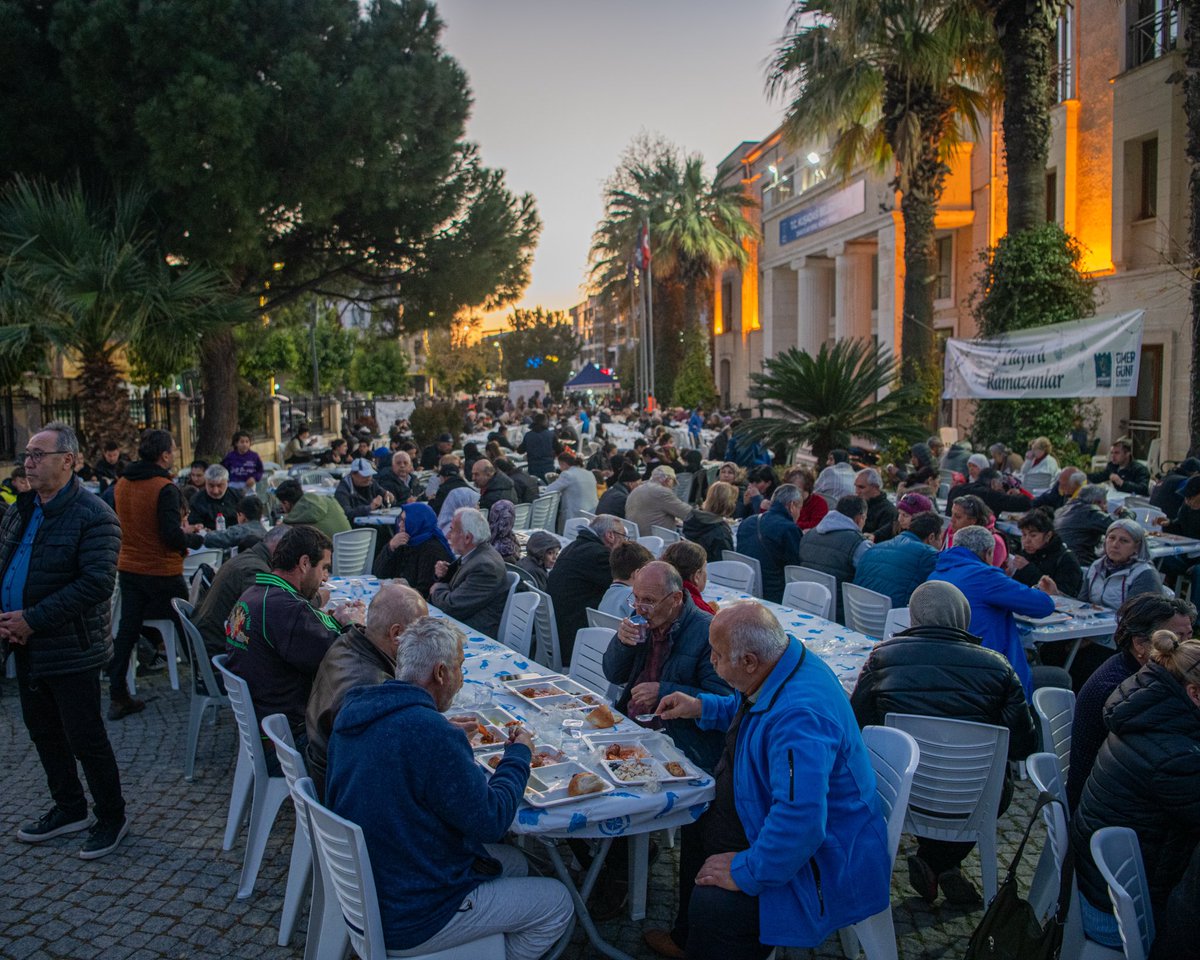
(728, 320)
(1051, 196)
(945, 268)
(1148, 181)
(1152, 32)
(1063, 56)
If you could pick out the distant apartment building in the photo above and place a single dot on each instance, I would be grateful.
(830, 264)
(604, 333)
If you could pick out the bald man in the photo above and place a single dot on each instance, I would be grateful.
(795, 822)
(360, 657)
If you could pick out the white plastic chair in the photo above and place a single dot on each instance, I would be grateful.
(631, 528)
(1119, 858)
(751, 562)
(353, 552)
(731, 573)
(516, 629)
(572, 527)
(1055, 709)
(667, 536)
(202, 676)
(300, 870)
(521, 516)
(166, 628)
(606, 620)
(587, 660)
(898, 618)
(1043, 890)
(250, 782)
(865, 610)
(547, 651)
(341, 851)
(810, 597)
(543, 512)
(956, 790)
(794, 573)
(191, 563)
(588, 515)
(683, 485)
(653, 544)
(894, 758)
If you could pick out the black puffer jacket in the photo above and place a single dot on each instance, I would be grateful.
(1147, 778)
(72, 573)
(1055, 561)
(944, 672)
(712, 532)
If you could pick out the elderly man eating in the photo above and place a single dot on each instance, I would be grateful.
(472, 588)
(794, 844)
(431, 817)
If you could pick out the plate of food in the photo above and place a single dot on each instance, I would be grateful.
(492, 725)
(544, 755)
(561, 693)
(634, 770)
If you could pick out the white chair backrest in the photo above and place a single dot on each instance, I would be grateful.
(794, 573)
(667, 536)
(653, 544)
(545, 630)
(276, 728)
(516, 630)
(598, 619)
(631, 528)
(1043, 772)
(511, 579)
(731, 573)
(184, 611)
(683, 485)
(587, 660)
(191, 563)
(810, 597)
(1055, 709)
(865, 610)
(894, 758)
(587, 515)
(572, 527)
(243, 711)
(1119, 858)
(956, 789)
(521, 513)
(353, 552)
(752, 563)
(898, 618)
(543, 512)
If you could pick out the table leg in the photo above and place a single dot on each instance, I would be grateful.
(639, 874)
(1071, 655)
(579, 897)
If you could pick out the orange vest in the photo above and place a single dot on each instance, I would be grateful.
(142, 548)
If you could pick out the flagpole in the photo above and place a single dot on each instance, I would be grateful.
(650, 317)
(637, 367)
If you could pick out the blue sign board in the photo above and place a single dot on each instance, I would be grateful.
(827, 211)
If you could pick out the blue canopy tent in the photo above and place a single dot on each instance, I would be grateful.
(591, 377)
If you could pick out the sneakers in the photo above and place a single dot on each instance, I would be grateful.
(53, 824)
(958, 890)
(122, 706)
(103, 838)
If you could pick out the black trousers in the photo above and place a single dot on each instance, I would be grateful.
(713, 923)
(943, 855)
(63, 717)
(142, 598)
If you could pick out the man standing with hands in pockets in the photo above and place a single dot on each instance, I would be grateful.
(794, 844)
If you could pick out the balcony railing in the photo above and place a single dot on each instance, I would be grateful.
(1152, 36)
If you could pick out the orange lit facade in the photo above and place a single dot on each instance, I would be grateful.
(830, 264)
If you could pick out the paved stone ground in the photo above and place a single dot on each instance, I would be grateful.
(169, 891)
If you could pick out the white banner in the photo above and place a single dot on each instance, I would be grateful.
(1096, 357)
(388, 412)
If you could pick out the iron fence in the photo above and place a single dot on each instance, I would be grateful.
(8, 443)
(151, 411)
(358, 411)
(1152, 36)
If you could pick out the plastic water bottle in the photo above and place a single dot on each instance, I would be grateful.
(220, 522)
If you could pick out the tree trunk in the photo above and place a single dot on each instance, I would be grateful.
(1191, 89)
(219, 380)
(1025, 43)
(106, 406)
(918, 204)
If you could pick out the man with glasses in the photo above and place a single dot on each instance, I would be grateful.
(58, 559)
(880, 512)
(581, 576)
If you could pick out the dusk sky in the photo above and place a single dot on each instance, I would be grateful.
(562, 86)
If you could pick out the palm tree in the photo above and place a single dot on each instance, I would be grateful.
(80, 276)
(824, 401)
(891, 80)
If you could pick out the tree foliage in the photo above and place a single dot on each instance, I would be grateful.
(1029, 279)
(541, 344)
(379, 367)
(695, 387)
(826, 400)
(454, 362)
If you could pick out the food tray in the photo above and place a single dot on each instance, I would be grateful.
(556, 693)
(544, 755)
(495, 721)
(647, 770)
(548, 785)
(652, 747)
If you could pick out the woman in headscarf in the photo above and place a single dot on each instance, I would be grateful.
(1123, 569)
(471, 456)
(501, 518)
(922, 473)
(414, 549)
(541, 550)
(936, 668)
(457, 498)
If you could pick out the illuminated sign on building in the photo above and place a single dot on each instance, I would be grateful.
(846, 203)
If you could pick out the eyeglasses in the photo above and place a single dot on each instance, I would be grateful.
(639, 604)
(38, 455)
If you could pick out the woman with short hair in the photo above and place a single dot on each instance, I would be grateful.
(691, 562)
(708, 525)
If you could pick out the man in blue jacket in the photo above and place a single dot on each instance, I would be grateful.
(994, 596)
(431, 817)
(898, 566)
(773, 538)
(794, 844)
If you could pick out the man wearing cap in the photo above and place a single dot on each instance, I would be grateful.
(1186, 523)
(1070, 479)
(1168, 493)
(449, 478)
(435, 451)
(359, 493)
(613, 501)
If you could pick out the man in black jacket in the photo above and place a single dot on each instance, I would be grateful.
(880, 512)
(398, 479)
(1070, 479)
(58, 569)
(1124, 473)
(580, 577)
(234, 577)
(937, 669)
(215, 500)
(449, 478)
(989, 488)
(526, 487)
(613, 500)
(493, 485)
(435, 451)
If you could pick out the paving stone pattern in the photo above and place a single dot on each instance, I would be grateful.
(169, 891)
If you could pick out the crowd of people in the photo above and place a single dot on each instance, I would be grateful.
(793, 846)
